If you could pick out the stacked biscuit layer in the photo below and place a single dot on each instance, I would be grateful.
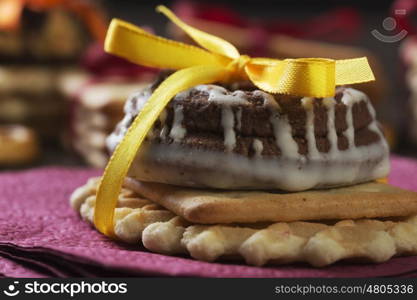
(139, 220)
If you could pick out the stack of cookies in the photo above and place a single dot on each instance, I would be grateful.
(19, 145)
(96, 108)
(42, 35)
(232, 172)
(29, 96)
(31, 56)
(96, 92)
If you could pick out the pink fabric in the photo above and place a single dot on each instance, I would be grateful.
(40, 235)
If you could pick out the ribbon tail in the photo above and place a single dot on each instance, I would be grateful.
(355, 70)
(308, 77)
(212, 43)
(119, 164)
(301, 77)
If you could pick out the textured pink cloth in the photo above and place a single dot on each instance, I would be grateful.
(40, 235)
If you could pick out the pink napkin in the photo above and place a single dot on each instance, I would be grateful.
(40, 235)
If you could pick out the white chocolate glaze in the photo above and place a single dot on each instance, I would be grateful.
(140, 98)
(331, 127)
(218, 95)
(258, 147)
(164, 130)
(361, 153)
(176, 165)
(228, 121)
(313, 152)
(269, 100)
(283, 136)
(178, 131)
(221, 96)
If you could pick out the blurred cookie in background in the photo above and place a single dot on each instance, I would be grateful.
(95, 94)
(49, 30)
(29, 96)
(95, 110)
(38, 41)
(18, 145)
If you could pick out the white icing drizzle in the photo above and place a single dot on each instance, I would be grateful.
(350, 131)
(283, 136)
(258, 147)
(220, 95)
(178, 131)
(350, 97)
(228, 122)
(353, 153)
(313, 152)
(140, 100)
(331, 126)
(164, 130)
(269, 100)
(182, 95)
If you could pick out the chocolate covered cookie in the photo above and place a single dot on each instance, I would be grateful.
(236, 136)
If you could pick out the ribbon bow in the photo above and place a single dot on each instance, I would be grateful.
(216, 61)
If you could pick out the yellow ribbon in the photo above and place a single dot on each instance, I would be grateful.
(216, 61)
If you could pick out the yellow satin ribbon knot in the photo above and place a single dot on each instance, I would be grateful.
(216, 61)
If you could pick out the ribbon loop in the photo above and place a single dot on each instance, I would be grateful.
(143, 48)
